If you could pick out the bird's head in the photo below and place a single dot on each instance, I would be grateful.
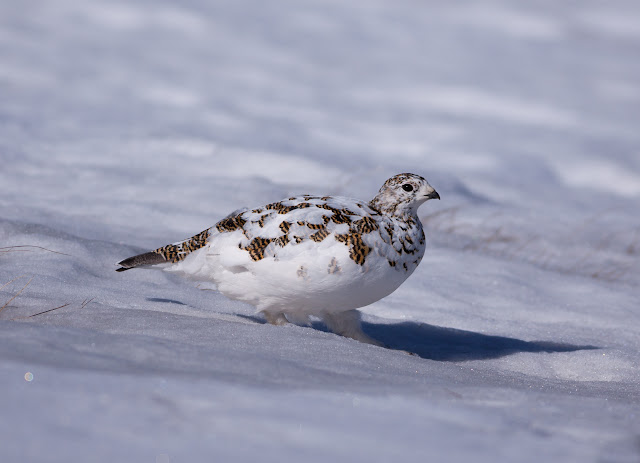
(403, 194)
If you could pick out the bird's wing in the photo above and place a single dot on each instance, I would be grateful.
(276, 229)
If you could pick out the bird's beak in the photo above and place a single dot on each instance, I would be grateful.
(433, 195)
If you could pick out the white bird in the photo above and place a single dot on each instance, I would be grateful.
(308, 255)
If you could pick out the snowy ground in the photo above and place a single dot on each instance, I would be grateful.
(128, 125)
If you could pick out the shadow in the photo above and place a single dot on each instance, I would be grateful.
(446, 344)
(452, 345)
(166, 301)
(253, 318)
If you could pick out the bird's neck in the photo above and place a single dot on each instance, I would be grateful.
(395, 210)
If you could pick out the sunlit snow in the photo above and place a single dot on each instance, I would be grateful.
(125, 126)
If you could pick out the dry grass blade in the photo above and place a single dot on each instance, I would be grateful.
(25, 248)
(9, 282)
(45, 311)
(86, 302)
(17, 294)
(82, 306)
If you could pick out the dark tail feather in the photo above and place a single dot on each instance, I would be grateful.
(148, 258)
(172, 253)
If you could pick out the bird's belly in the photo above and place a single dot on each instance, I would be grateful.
(309, 282)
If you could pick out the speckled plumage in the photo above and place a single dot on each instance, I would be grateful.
(308, 255)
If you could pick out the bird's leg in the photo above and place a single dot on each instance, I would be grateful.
(275, 318)
(347, 324)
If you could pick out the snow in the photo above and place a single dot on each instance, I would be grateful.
(126, 126)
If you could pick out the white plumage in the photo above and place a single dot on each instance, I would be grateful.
(308, 255)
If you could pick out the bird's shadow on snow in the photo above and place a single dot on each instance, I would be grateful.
(448, 344)
(452, 345)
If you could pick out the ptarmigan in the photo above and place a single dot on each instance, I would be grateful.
(308, 255)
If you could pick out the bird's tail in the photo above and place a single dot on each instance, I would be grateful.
(148, 258)
(171, 253)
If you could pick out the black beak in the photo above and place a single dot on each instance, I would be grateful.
(433, 195)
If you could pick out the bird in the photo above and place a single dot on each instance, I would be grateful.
(308, 256)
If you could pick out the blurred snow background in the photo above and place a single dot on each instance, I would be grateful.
(128, 125)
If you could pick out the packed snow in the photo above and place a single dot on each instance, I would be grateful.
(125, 126)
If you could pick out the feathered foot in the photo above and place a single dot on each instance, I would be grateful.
(347, 324)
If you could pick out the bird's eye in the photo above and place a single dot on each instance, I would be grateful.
(407, 187)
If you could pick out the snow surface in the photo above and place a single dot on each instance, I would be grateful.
(128, 125)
